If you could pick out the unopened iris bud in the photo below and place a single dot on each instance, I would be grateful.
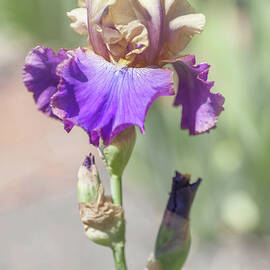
(182, 195)
(89, 183)
(173, 241)
(103, 221)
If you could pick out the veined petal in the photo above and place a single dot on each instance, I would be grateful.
(200, 107)
(151, 15)
(103, 98)
(95, 10)
(124, 31)
(39, 75)
(136, 37)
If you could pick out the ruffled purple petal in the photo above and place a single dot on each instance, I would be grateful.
(103, 98)
(39, 76)
(200, 107)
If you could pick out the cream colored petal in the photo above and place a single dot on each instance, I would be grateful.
(180, 25)
(110, 35)
(136, 36)
(193, 22)
(81, 3)
(122, 12)
(117, 51)
(147, 13)
(127, 41)
(176, 8)
(182, 29)
(79, 20)
(151, 16)
(124, 34)
(96, 9)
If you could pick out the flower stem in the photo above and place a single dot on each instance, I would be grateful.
(119, 257)
(116, 156)
(118, 249)
(116, 189)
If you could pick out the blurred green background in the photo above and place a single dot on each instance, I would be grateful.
(233, 160)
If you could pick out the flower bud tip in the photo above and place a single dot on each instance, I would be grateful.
(88, 181)
(182, 194)
(89, 161)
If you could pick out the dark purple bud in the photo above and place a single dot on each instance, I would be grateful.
(182, 194)
(173, 240)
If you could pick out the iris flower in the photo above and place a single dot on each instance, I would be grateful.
(111, 84)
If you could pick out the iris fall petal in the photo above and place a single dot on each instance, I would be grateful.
(39, 75)
(104, 98)
(200, 107)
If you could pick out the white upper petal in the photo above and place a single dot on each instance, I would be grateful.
(180, 24)
(81, 3)
(152, 18)
(79, 20)
(182, 29)
(148, 30)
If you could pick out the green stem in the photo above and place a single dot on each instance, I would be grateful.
(116, 189)
(115, 173)
(117, 198)
(116, 181)
(119, 257)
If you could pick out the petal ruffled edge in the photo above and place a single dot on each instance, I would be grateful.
(108, 127)
(200, 107)
(39, 75)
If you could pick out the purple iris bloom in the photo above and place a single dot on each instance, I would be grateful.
(111, 84)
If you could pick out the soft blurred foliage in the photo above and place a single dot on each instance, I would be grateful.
(234, 158)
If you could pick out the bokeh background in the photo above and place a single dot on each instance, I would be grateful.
(39, 221)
